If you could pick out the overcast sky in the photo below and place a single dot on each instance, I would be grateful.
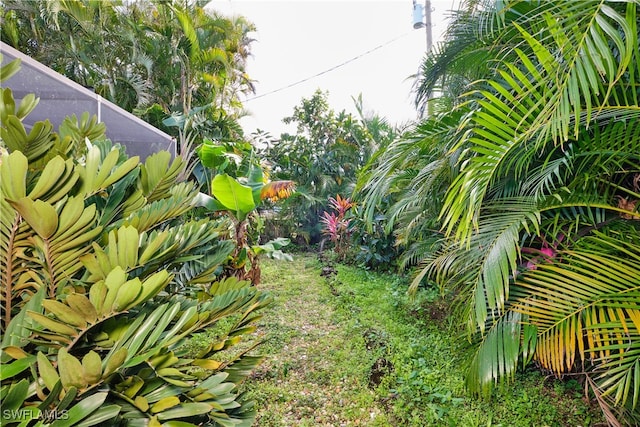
(296, 40)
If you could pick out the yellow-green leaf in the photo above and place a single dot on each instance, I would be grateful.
(152, 285)
(52, 325)
(207, 364)
(127, 293)
(70, 369)
(41, 216)
(47, 371)
(141, 403)
(121, 171)
(164, 404)
(81, 304)
(49, 178)
(15, 352)
(13, 174)
(115, 361)
(65, 313)
(97, 296)
(92, 367)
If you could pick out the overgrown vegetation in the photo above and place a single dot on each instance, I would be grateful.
(352, 348)
(323, 158)
(104, 274)
(514, 203)
(519, 193)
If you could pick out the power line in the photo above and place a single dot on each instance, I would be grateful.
(330, 69)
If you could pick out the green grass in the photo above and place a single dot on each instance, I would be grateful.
(353, 350)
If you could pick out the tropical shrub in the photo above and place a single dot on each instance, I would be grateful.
(539, 224)
(103, 278)
(323, 157)
(372, 247)
(401, 189)
(336, 225)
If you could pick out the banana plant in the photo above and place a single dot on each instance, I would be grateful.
(103, 277)
(239, 198)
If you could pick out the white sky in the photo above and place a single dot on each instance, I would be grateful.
(296, 40)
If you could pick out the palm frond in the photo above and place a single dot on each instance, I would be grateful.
(498, 353)
(418, 165)
(484, 269)
(586, 308)
(532, 112)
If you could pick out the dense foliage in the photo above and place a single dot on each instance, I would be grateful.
(104, 273)
(154, 57)
(323, 158)
(238, 188)
(529, 173)
(517, 196)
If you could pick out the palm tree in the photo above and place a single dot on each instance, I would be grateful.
(140, 55)
(87, 42)
(407, 180)
(540, 231)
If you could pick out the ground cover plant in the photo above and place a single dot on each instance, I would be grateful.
(345, 346)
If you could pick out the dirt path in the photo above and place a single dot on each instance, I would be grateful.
(316, 372)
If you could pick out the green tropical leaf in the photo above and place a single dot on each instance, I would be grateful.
(185, 410)
(81, 410)
(100, 416)
(233, 196)
(14, 368)
(34, 144)
(157, 176)
(588, 308)
(14, 399)
(497, 355)
(9, 69)
(18, 329)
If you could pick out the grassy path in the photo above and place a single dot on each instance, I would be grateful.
(351, 350)
(315, 373)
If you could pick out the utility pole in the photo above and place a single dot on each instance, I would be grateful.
(423, 19)
(427, 24)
